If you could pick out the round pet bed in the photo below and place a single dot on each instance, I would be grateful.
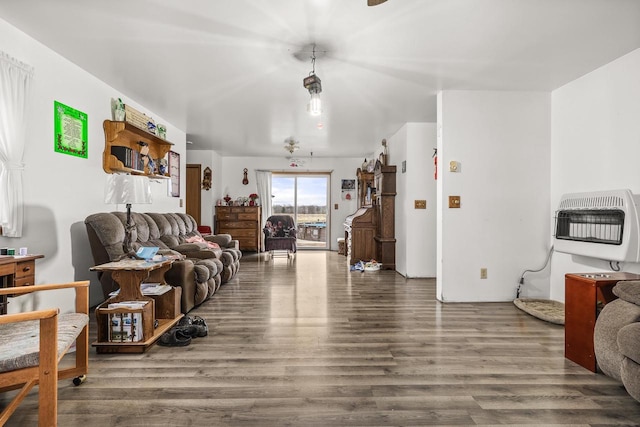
(544, 309)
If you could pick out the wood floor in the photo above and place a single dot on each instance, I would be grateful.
(305, 342)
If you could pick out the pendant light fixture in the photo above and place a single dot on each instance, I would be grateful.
(313, 85)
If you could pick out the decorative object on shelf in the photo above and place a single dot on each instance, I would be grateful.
(291, 145)
(206, 178)
(127, 189)
(253, 197)
(227, 200)
(245, 180)
(70, 131)
(364, 165)
(384, 155)
(161, 131)
(174, 173)
(117, 108)
(314, 86)
(162, 166)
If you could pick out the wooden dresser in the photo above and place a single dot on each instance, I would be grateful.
(243, 223)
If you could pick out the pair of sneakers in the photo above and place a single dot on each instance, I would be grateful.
(184, 331)
(194, 326)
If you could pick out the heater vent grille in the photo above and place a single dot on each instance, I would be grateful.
(601, 225)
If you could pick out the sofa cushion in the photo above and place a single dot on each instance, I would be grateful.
(110, 232)
(628, 291)
(613, 317)
(629, 341)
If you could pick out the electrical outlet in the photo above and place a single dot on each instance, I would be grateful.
(483, 273)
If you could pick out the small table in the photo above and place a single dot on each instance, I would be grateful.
(585, 295)
(165, 308)
(16, 270)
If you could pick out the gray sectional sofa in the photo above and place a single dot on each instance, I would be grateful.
(201, 271)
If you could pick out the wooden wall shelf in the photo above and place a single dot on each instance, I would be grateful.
(124, 134)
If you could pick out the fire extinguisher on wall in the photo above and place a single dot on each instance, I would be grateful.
(435, 163)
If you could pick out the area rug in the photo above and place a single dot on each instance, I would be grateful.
(544, 309)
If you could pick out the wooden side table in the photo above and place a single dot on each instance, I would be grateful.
(165, 308)
(585, 295)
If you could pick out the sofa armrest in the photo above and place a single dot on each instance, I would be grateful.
(225, 241)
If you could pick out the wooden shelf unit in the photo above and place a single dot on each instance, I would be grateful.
(165, 308)
(242, 223)
(125, 134)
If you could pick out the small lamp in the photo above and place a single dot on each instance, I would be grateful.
(127, 189)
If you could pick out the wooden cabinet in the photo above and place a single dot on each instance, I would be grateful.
(122, 141)
(385, 202)
(585, 295)
(242, 223)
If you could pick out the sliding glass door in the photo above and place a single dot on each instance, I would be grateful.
(304, 196)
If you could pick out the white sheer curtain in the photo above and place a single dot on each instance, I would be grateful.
(263, 182)
(15, 84)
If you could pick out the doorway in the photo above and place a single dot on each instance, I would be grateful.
(193, 195)
(304, 196)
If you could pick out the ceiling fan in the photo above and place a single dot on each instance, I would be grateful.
(375, 2)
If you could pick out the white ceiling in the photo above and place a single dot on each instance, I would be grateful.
(224, 71)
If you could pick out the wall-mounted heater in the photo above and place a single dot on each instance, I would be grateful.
(601, 225)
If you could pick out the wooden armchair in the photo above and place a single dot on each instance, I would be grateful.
(33, 343)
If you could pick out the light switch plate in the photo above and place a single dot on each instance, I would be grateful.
(454, 202)
(420, 204)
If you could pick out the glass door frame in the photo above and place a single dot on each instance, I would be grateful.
(295, 176)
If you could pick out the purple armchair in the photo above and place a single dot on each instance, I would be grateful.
(280, 234)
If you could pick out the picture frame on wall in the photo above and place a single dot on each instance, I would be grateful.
(174, 173)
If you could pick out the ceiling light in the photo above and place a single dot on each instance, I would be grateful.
(313, 84)
(291, 145)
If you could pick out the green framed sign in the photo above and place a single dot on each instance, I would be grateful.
(70, 127)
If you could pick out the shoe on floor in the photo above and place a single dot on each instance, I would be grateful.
(174, 337)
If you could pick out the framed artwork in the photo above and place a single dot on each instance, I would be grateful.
(174, 173)
(70, 130)
(348, 184)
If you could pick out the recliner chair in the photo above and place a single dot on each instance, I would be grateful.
(280, 234)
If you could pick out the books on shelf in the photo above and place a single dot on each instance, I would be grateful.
(130, 158)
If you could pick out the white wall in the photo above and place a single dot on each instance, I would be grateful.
(595, 146)
(342, 168)
(415, 228)
(61, 190)
(502, 142)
